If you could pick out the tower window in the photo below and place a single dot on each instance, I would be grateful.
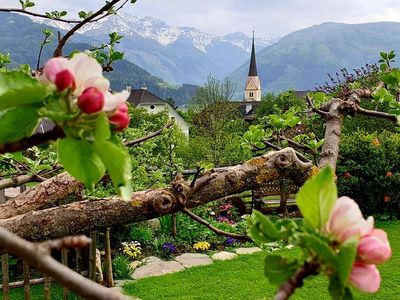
(251, 94)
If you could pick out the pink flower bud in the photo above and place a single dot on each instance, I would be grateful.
(91, 101)
(120, 118)
(55, 66)
(374, 248)
(365, 277)
(65, 80)
(346, 220)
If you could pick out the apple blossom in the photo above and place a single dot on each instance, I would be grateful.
(374, 248)
(346, 220)
(80, 73)
(365, 277)
(91, 101)
(64, 80)
(120, 118)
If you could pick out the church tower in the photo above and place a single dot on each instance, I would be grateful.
(253, 84)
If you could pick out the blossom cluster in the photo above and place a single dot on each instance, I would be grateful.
(202, 246)
(81, 78)
(346, 222)
(132, 249)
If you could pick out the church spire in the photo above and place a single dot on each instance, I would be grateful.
(253, 64)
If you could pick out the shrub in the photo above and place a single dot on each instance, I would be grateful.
(142, 234)
(121, 267)
(369, 171)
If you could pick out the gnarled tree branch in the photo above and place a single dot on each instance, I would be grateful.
(149, 136)
(83, 216)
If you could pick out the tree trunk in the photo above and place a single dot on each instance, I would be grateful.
(334, 123)
(49, 193)
(83, 216)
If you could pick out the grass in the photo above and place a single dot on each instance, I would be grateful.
(37, 293)
(243, 278)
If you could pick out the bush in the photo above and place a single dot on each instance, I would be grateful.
(369, 171)
(121, 267)
(143, 235)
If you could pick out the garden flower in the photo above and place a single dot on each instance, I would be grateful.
(386, 198)
(389, 174)
(365, 277)
(169, 247)
(79, 74)
(374, 248)
(202, 246)
(346, 220)
(347, 175)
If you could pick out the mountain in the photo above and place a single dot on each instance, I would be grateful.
(176, 54)
(21, 38)
(303, 58)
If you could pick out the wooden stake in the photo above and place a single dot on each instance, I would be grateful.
(27, 287)
(92, 256)
(108, 259)
(6, 279)
(46, 287)
(64, 260)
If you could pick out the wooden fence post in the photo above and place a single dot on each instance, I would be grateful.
(64, 261)
(46, 287)
(92, 255)
(108, 259)
(6, 279)
(27, 287)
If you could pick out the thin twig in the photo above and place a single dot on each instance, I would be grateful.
(296, 281)
(314, 109)
(61, 43)
(149, 136)
(215, 229)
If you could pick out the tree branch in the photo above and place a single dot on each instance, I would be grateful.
(299, 155)
(45, 195)
(61, 43)
(149, 136)
(215, 229)
(314, 109)
(376, 114)
(83, 216)
(38, 256)
(296, 281)
(34, 140)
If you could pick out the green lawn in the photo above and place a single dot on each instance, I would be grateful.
(243, 278)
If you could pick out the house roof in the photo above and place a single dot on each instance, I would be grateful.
(139, 96)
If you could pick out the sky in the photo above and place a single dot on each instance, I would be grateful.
(268, 18)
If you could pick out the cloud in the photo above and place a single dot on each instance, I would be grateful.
(269, 18)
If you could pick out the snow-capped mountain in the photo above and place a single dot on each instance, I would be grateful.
(176, 54)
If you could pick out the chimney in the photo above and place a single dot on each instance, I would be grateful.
(144, 87)
(128, 88)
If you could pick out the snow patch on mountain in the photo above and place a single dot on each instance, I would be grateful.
(157, 30)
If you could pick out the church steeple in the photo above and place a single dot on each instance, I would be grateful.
(253, 64)
(253, 84)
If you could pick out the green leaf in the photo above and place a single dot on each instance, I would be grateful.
(80, 160)
(278, 269)
(18, 89)
(346, 257)
(318, 246)
(336, 288)
(82, 14)
(261, 229)
(316, 198)
(18, 123)
(102, 131)
(347, 294)
(118, 164)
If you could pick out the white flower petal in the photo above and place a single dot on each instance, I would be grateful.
(112, 101)
(84, 68)
(100, 83)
